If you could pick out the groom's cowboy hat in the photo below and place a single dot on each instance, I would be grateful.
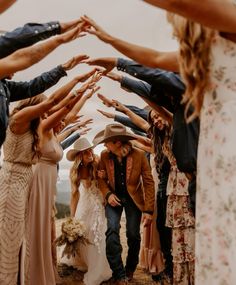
(80, 145)
(114, 132)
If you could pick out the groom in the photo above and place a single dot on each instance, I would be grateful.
(127, 184)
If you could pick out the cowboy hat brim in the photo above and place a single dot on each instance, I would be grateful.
(124, 137)
(71, 154)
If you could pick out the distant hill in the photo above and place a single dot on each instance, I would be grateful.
(63, 199)
(63, 192)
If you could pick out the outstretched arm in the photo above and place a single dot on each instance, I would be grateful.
(32, 33)
(60, 94)
(216, 14)
(143, 55)
(25, 89)
(72, 138)
(26, 57)
(78, 106)
(137, 120)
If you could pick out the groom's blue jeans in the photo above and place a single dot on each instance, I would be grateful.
(113, 245)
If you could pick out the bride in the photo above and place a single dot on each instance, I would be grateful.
(87, 206)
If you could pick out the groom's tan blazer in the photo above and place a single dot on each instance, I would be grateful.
(139, 180)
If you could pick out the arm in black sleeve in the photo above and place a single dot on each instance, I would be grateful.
(23, 90)
(143, 113)
(70, 140)
(163, 80)
(27, 35)
(139, 87)
(128, 123)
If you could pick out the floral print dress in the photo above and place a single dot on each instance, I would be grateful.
(216, 176)
(180, 218)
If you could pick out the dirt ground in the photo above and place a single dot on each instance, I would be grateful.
(71, 276)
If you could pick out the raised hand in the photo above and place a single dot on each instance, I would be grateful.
(107, 62)
(105, 100)
(94, 90)
(85, 76)
(119, 106)
(95, 29)
(114, 76)
(106, 114)
(84, 123)
(69, 25)
(71, 35)
(74, 61)
(85, 131)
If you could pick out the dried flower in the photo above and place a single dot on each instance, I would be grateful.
(73, 234)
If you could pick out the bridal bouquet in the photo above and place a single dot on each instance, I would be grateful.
(72, 235)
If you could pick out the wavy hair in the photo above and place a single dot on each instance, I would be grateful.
(159, 139)
(35, 122)
(75, 171)
(195, 59)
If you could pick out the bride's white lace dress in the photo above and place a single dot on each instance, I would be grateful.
(92, 257)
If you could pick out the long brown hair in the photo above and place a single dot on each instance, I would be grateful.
(76, 167)
(35, 122)
(159, 139)
(194, 59)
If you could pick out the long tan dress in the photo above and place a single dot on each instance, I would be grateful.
(15, 177)
(41, 265)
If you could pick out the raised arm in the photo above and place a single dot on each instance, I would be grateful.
(26, 57)
(143, 55)
(25, 89)
(60, 94)
(72, 138)
(67, 132)
(137, 120)
(78, 106)
(32, 33)
(216, 14)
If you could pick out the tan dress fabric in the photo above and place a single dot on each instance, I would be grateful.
(15, 178)
(41, 265)
(151, 258)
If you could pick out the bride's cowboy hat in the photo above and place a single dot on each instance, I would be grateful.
(80, 145)
(113, 132)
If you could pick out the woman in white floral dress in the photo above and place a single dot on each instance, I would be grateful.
(87, 206)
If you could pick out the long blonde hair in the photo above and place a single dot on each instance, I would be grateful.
(35, 122)
(75, 171)
(194, 59)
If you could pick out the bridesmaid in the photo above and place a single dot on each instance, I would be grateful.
(41, 261)
(21, 150)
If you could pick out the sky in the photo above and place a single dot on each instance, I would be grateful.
(130, 20)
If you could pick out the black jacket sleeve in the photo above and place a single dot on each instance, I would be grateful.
(23, 90)
(27, 35)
